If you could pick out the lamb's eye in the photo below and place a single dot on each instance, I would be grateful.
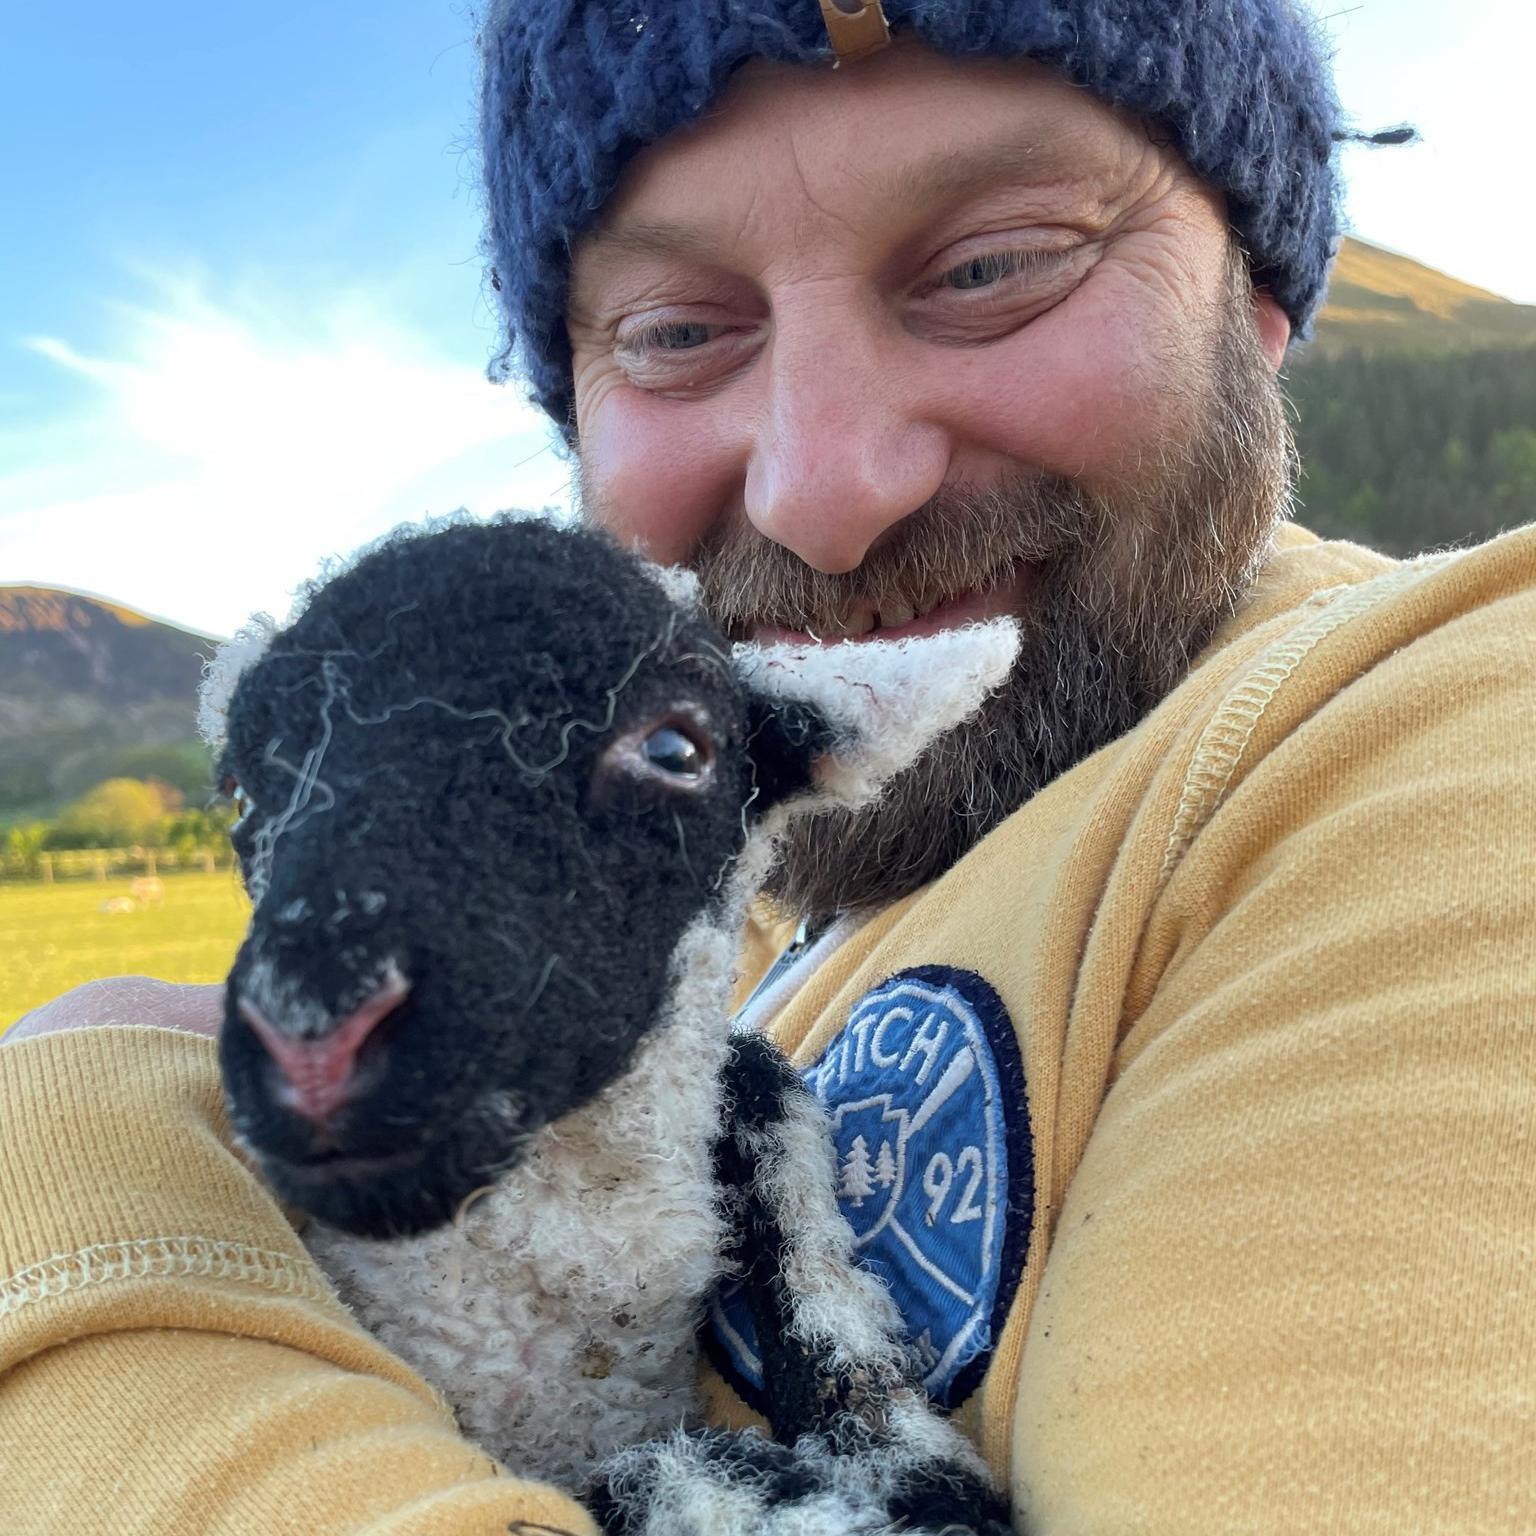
(670, 750)
(234, 792)
(673, 752)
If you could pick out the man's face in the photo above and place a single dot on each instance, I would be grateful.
(919, 341)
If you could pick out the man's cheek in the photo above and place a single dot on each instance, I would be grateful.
(1086, 398)
(656, 473)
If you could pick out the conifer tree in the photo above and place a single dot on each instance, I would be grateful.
(856, 1185)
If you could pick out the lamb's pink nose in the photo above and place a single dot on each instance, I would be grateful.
(319, 1074)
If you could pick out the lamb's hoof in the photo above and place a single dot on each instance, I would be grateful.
(741, 1484)
(711, 1481)
(951, 1502)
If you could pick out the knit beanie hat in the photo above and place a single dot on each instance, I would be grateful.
(571, 89)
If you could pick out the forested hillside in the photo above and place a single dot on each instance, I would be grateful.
(1417, 407)
(1407, 451)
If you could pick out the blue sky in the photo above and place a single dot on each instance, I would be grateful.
(241, 313)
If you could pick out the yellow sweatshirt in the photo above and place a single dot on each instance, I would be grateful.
(1189, 1116)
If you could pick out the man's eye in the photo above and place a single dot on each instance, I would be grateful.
(668, 336)
(984, 271)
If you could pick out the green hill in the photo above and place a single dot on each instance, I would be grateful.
(1380, 302)
(90, 690)
(1416, 408)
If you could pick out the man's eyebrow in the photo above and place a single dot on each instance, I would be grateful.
(655, 239)
(952, 174)
(948, 176)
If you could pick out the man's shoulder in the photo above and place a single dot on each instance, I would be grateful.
(1415, 671)
(1302, 571)
(1309, 588)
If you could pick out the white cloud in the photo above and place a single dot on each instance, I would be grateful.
(221, 449)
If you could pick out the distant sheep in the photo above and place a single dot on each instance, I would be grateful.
(505, 794)
(148, 891)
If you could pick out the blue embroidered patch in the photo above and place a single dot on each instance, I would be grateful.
(924, 1090)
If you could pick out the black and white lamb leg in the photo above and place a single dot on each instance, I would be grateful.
(858, 1447)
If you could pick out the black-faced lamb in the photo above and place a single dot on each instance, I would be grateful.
(505, 794)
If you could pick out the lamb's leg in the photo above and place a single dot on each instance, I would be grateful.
(859, 1448)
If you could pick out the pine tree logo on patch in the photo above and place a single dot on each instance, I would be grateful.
(924, 1091)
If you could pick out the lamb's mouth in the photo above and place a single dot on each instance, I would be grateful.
(331, 1167)
(398, 1193)
(1010, 593)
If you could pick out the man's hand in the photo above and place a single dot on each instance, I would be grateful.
(134, 1000)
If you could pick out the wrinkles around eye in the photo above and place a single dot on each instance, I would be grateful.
(988, 295)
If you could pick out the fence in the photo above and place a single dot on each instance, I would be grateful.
(105, 864)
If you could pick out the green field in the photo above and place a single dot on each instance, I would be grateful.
(53, 937)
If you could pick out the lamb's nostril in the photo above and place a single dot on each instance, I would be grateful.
(319, 1072)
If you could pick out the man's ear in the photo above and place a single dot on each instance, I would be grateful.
(1274, 327)
(833, 724)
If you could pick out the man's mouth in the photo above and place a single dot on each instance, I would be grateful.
(902, 620)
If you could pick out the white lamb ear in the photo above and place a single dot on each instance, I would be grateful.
(881, 702)
(223, 670)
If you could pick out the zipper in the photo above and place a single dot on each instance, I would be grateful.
(797, 946)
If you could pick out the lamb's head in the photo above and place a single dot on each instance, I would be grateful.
(490, 779)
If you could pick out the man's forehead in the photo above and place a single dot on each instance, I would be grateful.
(915, 130)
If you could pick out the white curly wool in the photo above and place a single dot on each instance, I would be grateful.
(838, 1309)
(558, 1316)
(223, 670)
(891, 697)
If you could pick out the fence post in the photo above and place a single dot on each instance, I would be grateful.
(149, 863)
(46, 860)
(101, 866)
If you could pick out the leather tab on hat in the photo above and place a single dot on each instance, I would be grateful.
(856, 28)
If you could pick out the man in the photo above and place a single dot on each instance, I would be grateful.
(1174, 1020)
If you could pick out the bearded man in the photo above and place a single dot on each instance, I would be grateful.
(1174, 1017)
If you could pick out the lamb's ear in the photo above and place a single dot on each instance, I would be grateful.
(223, 670)
(833, 724)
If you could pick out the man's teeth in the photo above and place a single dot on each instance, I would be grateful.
(863, 619)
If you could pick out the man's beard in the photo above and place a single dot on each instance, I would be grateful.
(1130, 585)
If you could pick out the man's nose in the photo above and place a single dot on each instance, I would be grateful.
(843, 449)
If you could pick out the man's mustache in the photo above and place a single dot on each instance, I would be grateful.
(963, 539)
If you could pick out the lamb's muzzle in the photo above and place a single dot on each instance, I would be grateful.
(320, 1072)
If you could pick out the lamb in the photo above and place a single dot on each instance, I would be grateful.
(504, 796)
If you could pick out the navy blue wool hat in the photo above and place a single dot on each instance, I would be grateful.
(571, 89)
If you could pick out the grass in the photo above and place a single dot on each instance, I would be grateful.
(53, 937)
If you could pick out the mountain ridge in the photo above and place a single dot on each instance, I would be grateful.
(29, 605)
(91, 688)
(1380, 300)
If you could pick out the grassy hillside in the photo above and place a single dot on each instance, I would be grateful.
(1380, 302)
(54, 937)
